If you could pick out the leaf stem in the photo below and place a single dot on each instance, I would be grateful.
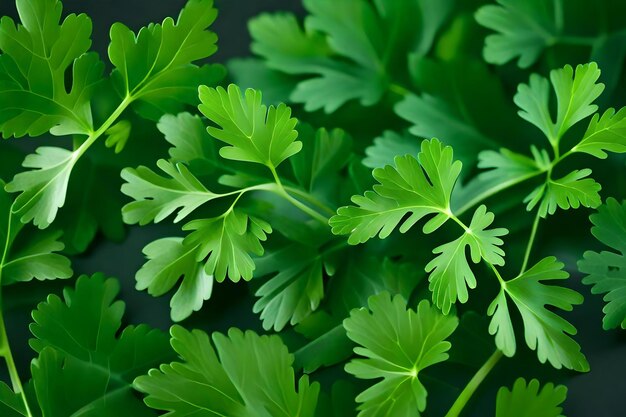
(473, 384)
(5, 348)
(531, 240)
(295, 202)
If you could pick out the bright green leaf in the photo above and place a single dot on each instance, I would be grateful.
(575, 94)
(244, 375)
(571, 191)
(155, 66)
(42, 190)
(37, 53)
(606, 133)
(450, 272)
(544, 330)
(419, 186)
(398, 344)
(170, 260)
(527, 400)
(157, 197)
(227, 242)
(83, 363)
(254, 132)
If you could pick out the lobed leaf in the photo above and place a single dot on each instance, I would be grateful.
(419, 187)
(575, 93)
(240, 374)
(253, 132)
(398, 344)
(157, 197)
(606, 270)
(34, 95)
(527, 400)
(544, 330)
(450, 272)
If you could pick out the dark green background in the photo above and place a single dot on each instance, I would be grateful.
(600, 393)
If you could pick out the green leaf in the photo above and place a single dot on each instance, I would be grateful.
(527, 400)
(243, 375)
(387, 146)
(349, 49)
(157, 197)
(169, 260)
(450, 273)
(42, 190)
(296, 289)
(82, 364)
(11, 404)
(155, 66)
(504, 169)
(253, 73)
(36, 259)
(189, 139)
(398, 344)
(571, 191)
(605, 133)
(544, 330)
(524, 30)
(606, 270)
(254, 132)
(117, 135)
(34, 95)
(324, 154)
(28, 255)
(575, 94)
(329, 348)
(227, 242)
(419, 186)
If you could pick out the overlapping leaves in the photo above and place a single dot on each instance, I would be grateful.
(239, 374)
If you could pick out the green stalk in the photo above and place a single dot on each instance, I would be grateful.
(5, 348)
(531, 240)
(295, 202)
(473, 384)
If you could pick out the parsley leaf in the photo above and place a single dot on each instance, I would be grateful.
(169, 260)
(28, 255)
(527, 400)
(606, 271)
(419, 186)
(157, 197)
(544, 330)
(34, 98)
(571, 191)
(82, 364)
(254, 132)
(605, 133)
(450, 273)
(228, 242)
(349, 49)
(155, 66)
(398, 344)
(295, 290)
(243, 375)
(387, 146)
(575, 93)
(525, 30)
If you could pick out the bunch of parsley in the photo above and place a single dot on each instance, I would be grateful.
(382, 175)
